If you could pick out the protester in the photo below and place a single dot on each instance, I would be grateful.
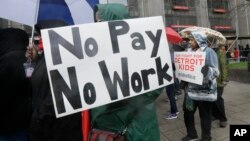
(248, 60)
(228, 53)
(173, 113)
(136, 116)
(171, 91)
(15, 97)
(247, 50)
(44, 125)
(236, 54)
(198, 42)
(218, 105)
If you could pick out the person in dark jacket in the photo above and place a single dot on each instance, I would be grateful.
(136, 116)
(15, 96)
(44, 125)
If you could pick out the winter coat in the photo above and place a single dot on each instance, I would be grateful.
(223, 68)
(208, 90)
(44, 125)
(15, 96)
(137, 113)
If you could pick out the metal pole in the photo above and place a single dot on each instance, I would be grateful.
(178, 25)
(35, 20)
(236, 22)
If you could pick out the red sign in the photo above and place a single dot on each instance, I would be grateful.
(222, 27)
(179, 7)
(181, 26)
(219, 10)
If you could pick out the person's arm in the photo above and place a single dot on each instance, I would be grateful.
(212, 64)
(224, 66)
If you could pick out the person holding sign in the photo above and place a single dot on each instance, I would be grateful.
(198, 42)
(15, 96)
(171, 91)
(44, 125)
(135, 118)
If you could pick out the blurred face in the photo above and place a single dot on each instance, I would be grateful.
(193, 43)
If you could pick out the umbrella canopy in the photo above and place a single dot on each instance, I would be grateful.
(172, 36)
(214, 37)
(26, 11)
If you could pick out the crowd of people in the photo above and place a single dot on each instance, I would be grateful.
(26, 105)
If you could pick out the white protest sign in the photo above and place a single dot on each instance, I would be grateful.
(94, 64)
(188, 66)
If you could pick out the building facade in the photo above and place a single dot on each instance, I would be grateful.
(206, 13)
(240, 11)
(231, 17)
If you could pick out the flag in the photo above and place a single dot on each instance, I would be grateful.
(54, 10)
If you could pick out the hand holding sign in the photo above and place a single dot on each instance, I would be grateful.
(204, 70)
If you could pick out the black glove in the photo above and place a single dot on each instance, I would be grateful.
(204, 70)
(183, 84)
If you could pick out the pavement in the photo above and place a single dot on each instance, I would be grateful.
(237, 104)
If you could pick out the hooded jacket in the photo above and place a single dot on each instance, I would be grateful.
(137, 113)
(15, 103)
(208, 90)
(44, 125)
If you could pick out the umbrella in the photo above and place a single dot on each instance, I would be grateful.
(29, 11)
(25, 11)
(214, 37)
(172, 36)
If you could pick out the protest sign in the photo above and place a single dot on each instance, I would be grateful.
(95, 64)
(188, 66)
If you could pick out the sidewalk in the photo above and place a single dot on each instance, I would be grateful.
(237, 103)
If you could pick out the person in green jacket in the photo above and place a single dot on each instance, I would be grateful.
(137, 115)
(218, 105)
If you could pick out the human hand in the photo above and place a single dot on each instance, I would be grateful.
(31, 52)
(204, 70)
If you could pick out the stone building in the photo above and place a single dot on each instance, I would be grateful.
(227, 16)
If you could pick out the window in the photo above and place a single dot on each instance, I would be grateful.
(180, 22)
(188, 3)
(218, 4)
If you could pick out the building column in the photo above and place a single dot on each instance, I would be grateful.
(146, 8)
(202, 13)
